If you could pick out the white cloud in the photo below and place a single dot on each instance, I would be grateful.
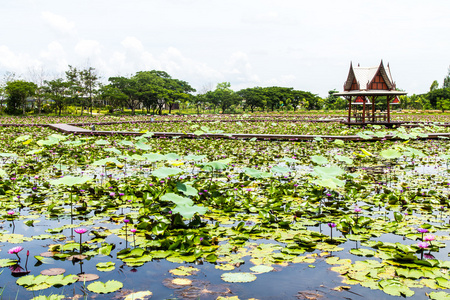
(58, 23)
(55, 57)
(88, 48)
(132, 43)
(15, 62)
(267, 17)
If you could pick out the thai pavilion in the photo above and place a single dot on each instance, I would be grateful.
(362, 88)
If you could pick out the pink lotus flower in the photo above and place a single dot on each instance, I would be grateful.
(133, 230)
(81, 230)
(422, 230)
(357, 209)
(423, 245)
(10, 212)
(429, 238)
(15, 250)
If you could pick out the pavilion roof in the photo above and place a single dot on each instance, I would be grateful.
(364, 76)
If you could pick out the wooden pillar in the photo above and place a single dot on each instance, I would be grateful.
(349, 99)
(364, 110)
(373, 108)
(388, 99)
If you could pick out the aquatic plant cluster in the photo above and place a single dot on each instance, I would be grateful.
(198, 218)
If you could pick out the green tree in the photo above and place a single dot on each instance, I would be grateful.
(128, 87)
(434, 86)
(57, 90)
(89, 83)
(446, 83)
(253, 98)
(113, 96)
(18, 91)
(223, 96)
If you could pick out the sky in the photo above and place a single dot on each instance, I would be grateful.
(307, 45)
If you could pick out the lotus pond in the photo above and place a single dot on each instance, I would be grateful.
(133, 218)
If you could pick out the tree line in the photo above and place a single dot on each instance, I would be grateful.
(155, 91)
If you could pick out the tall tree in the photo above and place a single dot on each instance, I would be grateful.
(89, 83)
(113, 96)
(129, 87)
(446, 83)
(38, 75)
(57, 90)
(18, 91)
(253, 98)
(434, 85)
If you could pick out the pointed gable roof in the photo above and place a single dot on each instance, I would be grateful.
(362, 78)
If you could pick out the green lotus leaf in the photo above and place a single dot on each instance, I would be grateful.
(189, 211)
(380, 134)
(51, 297)
(363, 252)
(318, 159)
(22, 138)
(331, 183)
(102, 142)
(172, 156)
(256, 173)
(142, 295)
(105, 161)
(238, 277)
(327, 172)
(390, 154)
(261, 269)
(343, 158)
(291, 160)
(105, 249)
(6, 262)
(113, 150)
(126, 143)
(195, 157)
(105, 288)
(61, 280)
(141, 145)
(49, 142)
(3, 173)
(70, 180)
(395, 288)
(178, 200)
(166, 172)
(217, 165)
(439, 296)
(36, 151)
(106, 266)
(364, 136)
(187, 189)
(8, 154)
(280, 170)
(154, 157)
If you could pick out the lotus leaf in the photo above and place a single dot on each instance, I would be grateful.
(154, 157)
(390, 154)
(320, 160)
(187, 189)
(143, 295)
(178, 200)
(106, 266)
(238, 277)
(189, 211)
(70, 180)
(105, 288)
(166, 172)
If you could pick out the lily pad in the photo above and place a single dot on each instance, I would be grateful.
(105, 288)
(238, 277)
